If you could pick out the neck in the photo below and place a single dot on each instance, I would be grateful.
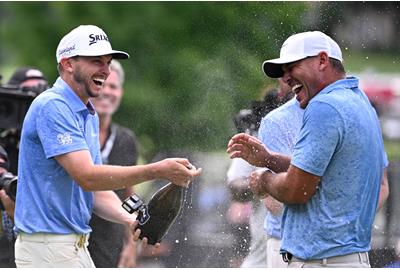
(76, 88)
(333, 77)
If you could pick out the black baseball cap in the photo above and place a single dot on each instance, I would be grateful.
(23, 74)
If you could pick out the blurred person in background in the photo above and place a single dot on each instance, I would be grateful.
(338, 160)
(23, 79)
(7, 237)
(110, 244)
(245, 209)
(278, 131)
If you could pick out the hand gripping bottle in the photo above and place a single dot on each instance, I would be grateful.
(159, 214)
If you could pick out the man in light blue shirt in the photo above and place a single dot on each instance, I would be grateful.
(278, 131)
(331, 185)
(60, 176)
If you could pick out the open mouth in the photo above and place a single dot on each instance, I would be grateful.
(98, 82)
(297, 88)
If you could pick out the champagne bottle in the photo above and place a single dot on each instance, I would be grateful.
(157, 217)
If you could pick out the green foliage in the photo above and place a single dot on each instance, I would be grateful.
(193, 65)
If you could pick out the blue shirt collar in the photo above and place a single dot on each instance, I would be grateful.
(348, 82)
(74, 101)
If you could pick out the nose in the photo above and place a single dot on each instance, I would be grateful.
(106, 70)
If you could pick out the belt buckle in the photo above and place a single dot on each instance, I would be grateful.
(81, 241)
(287, 257)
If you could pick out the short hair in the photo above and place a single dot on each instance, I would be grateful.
(117, 67)
(337, 65)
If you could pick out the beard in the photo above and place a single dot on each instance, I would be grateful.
(81, 78)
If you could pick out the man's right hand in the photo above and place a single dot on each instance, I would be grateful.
(177, 170)
(249, 148)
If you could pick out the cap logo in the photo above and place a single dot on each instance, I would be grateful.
(67, 50)
(95, 38)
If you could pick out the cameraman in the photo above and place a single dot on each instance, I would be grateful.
(29, 79)
(7, 238)
(24, 79)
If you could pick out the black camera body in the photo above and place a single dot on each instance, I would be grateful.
(248, 120)
(8, 182)
(14, 104)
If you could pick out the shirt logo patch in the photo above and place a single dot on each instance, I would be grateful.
(64, 138)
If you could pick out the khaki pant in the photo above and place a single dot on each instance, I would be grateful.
(44, 250)
(274, 258)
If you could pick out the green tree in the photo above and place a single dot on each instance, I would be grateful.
(193, 65)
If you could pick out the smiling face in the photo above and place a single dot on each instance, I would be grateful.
(86, 74)
(304, 78)
(110, 98)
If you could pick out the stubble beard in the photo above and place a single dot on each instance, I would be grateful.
(79, 77)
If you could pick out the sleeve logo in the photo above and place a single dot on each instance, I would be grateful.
(64, 138)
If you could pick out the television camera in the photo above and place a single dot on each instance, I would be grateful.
(14, 103)
(8, 182)
(248, 120)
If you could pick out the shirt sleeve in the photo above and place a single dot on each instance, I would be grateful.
(59, 129)
(275, 135)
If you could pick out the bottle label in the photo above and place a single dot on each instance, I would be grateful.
(132, 204)
(143, 216)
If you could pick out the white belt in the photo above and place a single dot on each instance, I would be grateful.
(361, 257)
(79, 239)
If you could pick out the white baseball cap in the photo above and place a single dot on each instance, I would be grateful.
(87, 40)
(300, 46)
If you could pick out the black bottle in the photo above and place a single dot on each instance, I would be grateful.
(159, 214)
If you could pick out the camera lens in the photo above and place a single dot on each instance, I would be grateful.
(11, 188)
(8, 182)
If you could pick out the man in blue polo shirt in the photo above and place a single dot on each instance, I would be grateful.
(60, 162)
(330, 186)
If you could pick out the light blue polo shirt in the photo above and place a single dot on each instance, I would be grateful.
(48, 199)
(279, 130)
(341, 141)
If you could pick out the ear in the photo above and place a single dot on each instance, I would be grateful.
(323, 60)
(66, 64)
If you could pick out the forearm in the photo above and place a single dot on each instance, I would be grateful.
(294, 187)
(91, 177)
(110, 177)
(107, 205)
(277, 162)
(274, 185)
(384, 191)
